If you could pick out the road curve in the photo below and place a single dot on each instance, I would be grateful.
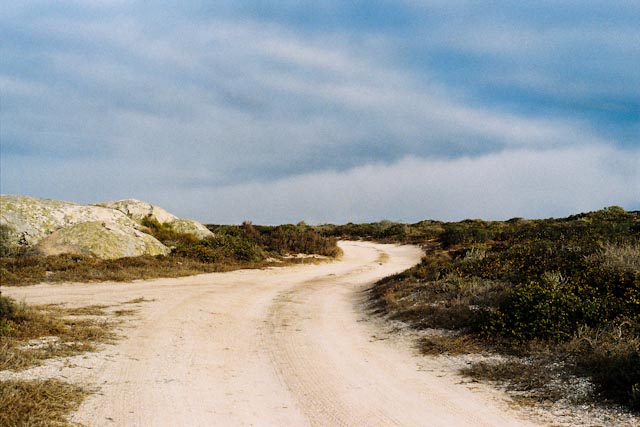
(276, 347)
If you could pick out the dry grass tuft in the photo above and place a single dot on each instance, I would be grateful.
(449, 344)
(382, 258)
(123, 312)
(446, 303)
(38, 403)
(30, 334)
(541, 378)
(138, 300)
(620, 257)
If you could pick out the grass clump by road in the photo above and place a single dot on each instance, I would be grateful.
(559, 297)
(31, 334)
(38, 403)
(231, 248)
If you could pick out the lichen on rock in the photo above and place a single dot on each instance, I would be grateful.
(33, 219)
(106, 230)
(138, 211)
(103, 240)
(188, 226)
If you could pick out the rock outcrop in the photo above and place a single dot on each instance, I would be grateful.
(32, 219)
(103, 240)
(137, 211)
(106, 230)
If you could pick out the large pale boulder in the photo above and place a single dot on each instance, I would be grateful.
(107, 230)
(103, 240)
(137, 210)
(189, 226)
(32, 219)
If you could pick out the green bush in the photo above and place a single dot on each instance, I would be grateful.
(465, 232)
(278, 240)
(7, 308)
(5, 236)
(610, 356)
(200, 253)
(535, 310)
(166, 234)
(556, 277)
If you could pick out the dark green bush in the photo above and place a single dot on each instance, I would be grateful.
(279, 240)
(7, 308)
(200, 253)
(5, 236)
(166, 234)
(537, 310)
(610, 356)
(466, 232)
(557, 276)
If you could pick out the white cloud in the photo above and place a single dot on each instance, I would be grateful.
(230, 70)
(496, 186)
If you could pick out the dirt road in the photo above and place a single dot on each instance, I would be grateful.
(277, 347)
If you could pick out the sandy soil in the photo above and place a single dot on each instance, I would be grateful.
(278, 347)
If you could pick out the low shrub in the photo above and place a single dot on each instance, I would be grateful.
(5, 237)
(624, 257)
(610, 356)
(524, 284)
(38, 403)
(7, 308)
(21, 323)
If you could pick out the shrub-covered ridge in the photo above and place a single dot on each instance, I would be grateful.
(569, 286)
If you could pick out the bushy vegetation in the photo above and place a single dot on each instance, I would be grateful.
(569, 286)
(5, 234)
(20, 323)
(38, 403)
(384, 231)
(231, 247)
(31, 334)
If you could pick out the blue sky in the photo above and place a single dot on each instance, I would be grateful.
(326, 111)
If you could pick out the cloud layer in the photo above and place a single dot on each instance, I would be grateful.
(503, 185)
(401, 110)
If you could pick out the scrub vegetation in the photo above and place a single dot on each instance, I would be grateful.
(29, 335)
(560, 298)
(231, 247)
(38, 403)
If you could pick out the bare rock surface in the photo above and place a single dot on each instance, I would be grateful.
(138, 210)
(103, 240)
(31, 219)
(107, 230)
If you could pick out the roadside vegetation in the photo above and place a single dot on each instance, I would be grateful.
(30, 335)
(38, 403)
(559, 299)
(231, 248)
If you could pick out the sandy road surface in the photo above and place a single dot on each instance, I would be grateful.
(277, 347)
